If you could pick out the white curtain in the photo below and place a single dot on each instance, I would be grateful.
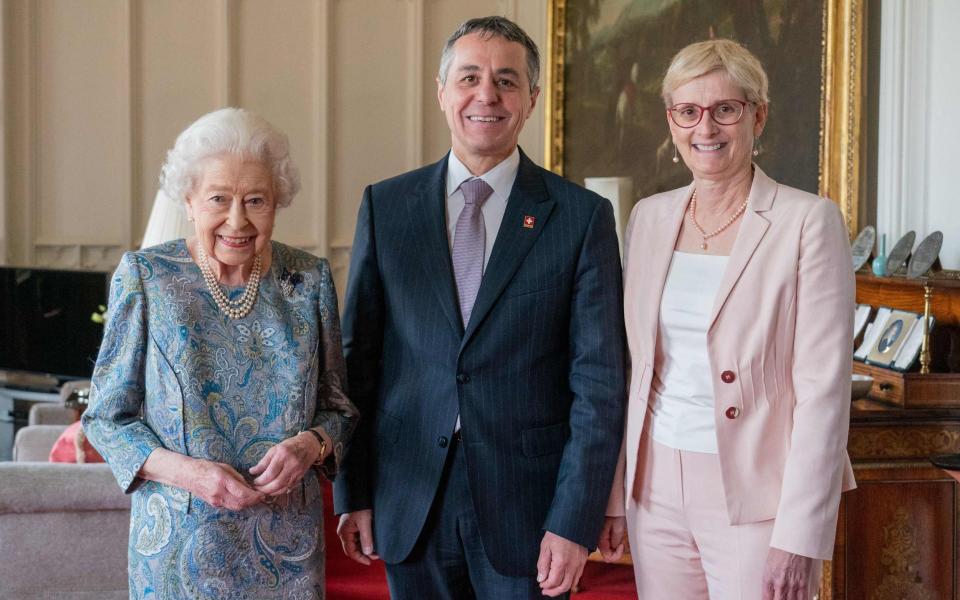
(168, 221)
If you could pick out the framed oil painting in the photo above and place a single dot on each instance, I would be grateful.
(607, 58)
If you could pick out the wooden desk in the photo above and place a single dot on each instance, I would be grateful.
(897, 535)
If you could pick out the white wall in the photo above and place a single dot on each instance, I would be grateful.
(919, 123)
(943, 193)
(95, 91)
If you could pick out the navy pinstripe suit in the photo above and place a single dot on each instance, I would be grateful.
(537, 375)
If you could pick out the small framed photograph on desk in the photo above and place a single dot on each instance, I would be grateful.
(898, 327)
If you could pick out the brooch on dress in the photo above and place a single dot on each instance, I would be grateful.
(289, 280)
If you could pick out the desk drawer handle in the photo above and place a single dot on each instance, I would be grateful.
(886, 387)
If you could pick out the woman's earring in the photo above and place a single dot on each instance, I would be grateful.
(676, 158)
(756, 146)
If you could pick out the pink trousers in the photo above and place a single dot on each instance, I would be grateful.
(681, 542)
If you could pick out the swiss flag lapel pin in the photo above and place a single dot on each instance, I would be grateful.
(529, 222)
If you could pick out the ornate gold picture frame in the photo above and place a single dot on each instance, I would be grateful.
(841, 137)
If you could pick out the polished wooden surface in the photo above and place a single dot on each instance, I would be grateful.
(898, 535)
(912, 390)
(907, 294)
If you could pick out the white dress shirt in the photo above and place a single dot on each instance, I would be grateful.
(682, 400)
(500, 178)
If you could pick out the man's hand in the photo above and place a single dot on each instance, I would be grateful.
(612, 537)
(560, 565)
(786, 576)
(356, 536)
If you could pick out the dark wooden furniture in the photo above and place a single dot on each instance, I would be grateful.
(898, 535)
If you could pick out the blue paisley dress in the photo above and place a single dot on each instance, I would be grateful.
(175, 373)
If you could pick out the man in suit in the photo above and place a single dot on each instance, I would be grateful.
(483, 334)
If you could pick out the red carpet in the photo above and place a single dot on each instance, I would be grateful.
(347, 580)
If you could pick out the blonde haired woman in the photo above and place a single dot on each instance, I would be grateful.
(738, 308)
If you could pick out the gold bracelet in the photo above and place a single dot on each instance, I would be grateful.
(323, 446)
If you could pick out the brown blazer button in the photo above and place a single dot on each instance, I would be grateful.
(727, 377)
(733, 412)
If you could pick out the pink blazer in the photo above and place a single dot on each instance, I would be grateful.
(780, 345)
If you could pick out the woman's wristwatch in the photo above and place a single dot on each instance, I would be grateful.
(323, 446)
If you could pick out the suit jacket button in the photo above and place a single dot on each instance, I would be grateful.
(727, 377)
(463, 378)
(733, 412)
(442, 441)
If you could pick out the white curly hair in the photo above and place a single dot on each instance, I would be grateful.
(234, 131)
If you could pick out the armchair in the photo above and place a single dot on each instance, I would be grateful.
(63, 527)
(33, 443)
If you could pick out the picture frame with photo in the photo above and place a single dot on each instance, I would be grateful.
(889, 340)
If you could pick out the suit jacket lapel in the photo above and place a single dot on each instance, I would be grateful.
(752, 229)
(428, 218)
(527, 198)
(666, 228)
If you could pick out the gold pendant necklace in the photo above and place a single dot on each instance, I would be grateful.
(703, 234)
(235, 309)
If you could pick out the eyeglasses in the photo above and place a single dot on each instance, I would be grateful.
(725, 112)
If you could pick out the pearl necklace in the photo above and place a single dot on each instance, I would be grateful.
(235, 309)
(704, 234)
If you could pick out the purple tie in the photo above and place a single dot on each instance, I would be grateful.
(469, 240)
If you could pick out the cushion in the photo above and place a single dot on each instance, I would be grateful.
(73, 447)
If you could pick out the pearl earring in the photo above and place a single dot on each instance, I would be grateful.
(676, 158)
(756, 147)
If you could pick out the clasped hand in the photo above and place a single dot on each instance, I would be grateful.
(284, 465)
(281, 468)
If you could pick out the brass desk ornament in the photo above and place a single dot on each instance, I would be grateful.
(923, 260)
(925, 345)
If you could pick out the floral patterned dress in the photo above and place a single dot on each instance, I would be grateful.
(175, 373)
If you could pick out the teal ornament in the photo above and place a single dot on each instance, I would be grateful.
(880, 262)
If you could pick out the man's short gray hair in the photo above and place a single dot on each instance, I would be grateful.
(233, 131)
(489, 27)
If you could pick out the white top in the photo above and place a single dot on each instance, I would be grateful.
(500, 178)
(681, 400)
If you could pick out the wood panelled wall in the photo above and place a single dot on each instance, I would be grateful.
(94, 92)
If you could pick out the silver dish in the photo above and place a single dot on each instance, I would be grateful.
(860, 386)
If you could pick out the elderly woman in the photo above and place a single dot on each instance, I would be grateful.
(220, 381)
(738, 307)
